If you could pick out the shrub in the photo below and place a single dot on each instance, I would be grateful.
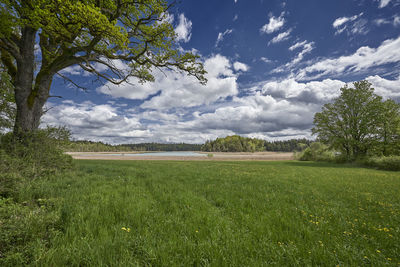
(391, 163)
(37, 154)
(316, 152)
(26, 221)
(25, 227)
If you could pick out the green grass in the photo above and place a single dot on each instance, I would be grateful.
(224, 214)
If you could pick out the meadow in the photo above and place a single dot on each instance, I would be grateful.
(217, 213)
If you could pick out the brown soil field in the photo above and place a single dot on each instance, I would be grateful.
(217, 156)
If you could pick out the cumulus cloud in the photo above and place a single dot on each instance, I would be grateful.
(271, 110)
(95, 122)
(221, 36)
(383, 3)
(363, 59)
(184, 29)
(180, 90)
(274, 24)
(352, 25)
(386, 88)
(238, 66)
(281, 37)
(311, 92)
(173, 89)
(256, 113)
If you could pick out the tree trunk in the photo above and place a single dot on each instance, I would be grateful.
(30, 94)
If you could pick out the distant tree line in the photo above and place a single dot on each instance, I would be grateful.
(90, 146)
(164, 147)
(236, 143)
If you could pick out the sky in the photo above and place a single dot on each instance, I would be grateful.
(271, 66)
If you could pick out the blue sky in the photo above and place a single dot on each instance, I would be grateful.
(271, 65)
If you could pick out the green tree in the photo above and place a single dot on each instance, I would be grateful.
(93, 34)
(389, 128)
(354, 123)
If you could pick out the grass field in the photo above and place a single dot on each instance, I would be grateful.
(158, 213)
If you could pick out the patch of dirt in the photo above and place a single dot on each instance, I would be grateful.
(217, 156)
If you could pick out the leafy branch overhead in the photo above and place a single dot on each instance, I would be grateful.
(89, 32)
(112, 39)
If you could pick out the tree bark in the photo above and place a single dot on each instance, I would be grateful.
(30, 94)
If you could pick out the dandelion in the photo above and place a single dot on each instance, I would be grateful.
(197, 231)
(378, 251)
(365, 257)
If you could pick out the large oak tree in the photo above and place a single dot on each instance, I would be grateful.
(358, 122)
(94, 34)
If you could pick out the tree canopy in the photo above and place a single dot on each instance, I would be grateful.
(359, 122)
(39, 38)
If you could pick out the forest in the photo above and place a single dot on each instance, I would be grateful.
(236, 143)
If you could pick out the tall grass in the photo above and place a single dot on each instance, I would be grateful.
(157, 213)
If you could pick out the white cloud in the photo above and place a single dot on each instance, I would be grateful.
(256, 113)
(265, 60)
(353, 25)
(221, 36)
(383, 3)
(180, 90)
(176, 89)
(274, 24)
(235, 17)
(238, 66)
(281, 37)
(384, 87)
(311, 92)
(272, 110)
(381, 21)
(95, 122)
(396, 20)
(306, 48)
(364, 58)
(184, 29)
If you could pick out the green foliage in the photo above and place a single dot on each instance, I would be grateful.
(156, 213)
(90, 146)
(238, 143)
(391, 163)
(164, 147)
(26, 229)
(38, 153)
(28, 220)
(287, 145)
(316, 152)
(359, 123)
(234, 143)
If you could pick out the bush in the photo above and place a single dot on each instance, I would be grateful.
(391, 163)
(36, 154)
(316, 152)
(27, 221)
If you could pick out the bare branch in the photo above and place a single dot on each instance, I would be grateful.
(66, 79)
